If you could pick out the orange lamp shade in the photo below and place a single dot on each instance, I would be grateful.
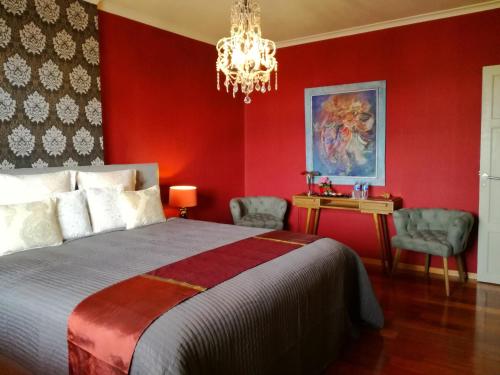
(182, 196)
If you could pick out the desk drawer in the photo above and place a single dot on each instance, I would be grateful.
(306, 202)
(373, 206)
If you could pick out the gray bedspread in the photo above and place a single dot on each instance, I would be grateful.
(287, 316)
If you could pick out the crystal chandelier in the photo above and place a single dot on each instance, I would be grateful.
(246, 59)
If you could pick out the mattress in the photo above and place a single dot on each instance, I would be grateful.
(290, 315)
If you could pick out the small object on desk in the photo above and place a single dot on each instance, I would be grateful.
(325, 186)
(364, 191)
(182, 197)
(356, 193)
(386, 195)
(310, 181)
(331, 193)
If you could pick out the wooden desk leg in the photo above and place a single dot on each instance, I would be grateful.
(308, 220)
(380, 238)
(387, 241)
(316, 221)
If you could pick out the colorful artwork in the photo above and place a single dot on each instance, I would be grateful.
(345, 129)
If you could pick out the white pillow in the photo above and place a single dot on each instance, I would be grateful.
(140, 208)
(27, 226)
(104, 210)
(125, 177)
(73, 214)
(35, 187)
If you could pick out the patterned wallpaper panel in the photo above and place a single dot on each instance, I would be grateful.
(50, 101)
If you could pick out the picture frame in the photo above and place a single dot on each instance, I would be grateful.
(345, 132)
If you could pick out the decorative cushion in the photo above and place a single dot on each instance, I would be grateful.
(126, 178)
(36, 187)
(104, 209)
(27, 226)
(260, 221)
(140, 208)
(73, 214)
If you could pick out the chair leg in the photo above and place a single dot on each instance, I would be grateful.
(427, 263)
(396, 260)
(460, 266)
(446, 280)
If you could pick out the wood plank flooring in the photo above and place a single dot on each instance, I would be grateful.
(425, 332)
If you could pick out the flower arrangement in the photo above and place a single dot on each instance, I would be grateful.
(324, 182)
(325, 186)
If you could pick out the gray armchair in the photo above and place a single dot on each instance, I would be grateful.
(260, 212)
(440, 232)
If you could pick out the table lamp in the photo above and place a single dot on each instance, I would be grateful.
(182, 197)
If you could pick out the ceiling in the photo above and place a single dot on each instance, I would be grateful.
(290, 22)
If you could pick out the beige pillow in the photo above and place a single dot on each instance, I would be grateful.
(104, 210)
(35, 187)
(27, 226)
(140, 208)
(73, 214)
(126, 178)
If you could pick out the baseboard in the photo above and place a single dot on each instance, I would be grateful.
(419, 268)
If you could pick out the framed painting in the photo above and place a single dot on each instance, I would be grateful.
(345, 132)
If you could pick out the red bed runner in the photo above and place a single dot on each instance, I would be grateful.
(104, 328)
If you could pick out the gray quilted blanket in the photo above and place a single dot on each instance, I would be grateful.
(288, 316)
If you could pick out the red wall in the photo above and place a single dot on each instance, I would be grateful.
(160, 104)
(433, 74)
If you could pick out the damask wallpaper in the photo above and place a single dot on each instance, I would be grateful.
(50, 101)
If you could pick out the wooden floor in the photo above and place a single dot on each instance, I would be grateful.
(425, 332)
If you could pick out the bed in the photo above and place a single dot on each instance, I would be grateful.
(290, 315)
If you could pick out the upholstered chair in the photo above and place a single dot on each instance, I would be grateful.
(433, 231)
(260, 212)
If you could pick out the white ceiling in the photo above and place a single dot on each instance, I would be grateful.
(290, 22)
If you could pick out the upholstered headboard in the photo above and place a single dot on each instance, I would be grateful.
(147, 174)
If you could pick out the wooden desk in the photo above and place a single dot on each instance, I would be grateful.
(378, 207)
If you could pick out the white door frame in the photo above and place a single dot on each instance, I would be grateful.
(489, 217)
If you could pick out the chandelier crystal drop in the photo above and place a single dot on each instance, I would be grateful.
(246, 59)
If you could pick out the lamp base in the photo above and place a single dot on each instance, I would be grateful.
(183, 213)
